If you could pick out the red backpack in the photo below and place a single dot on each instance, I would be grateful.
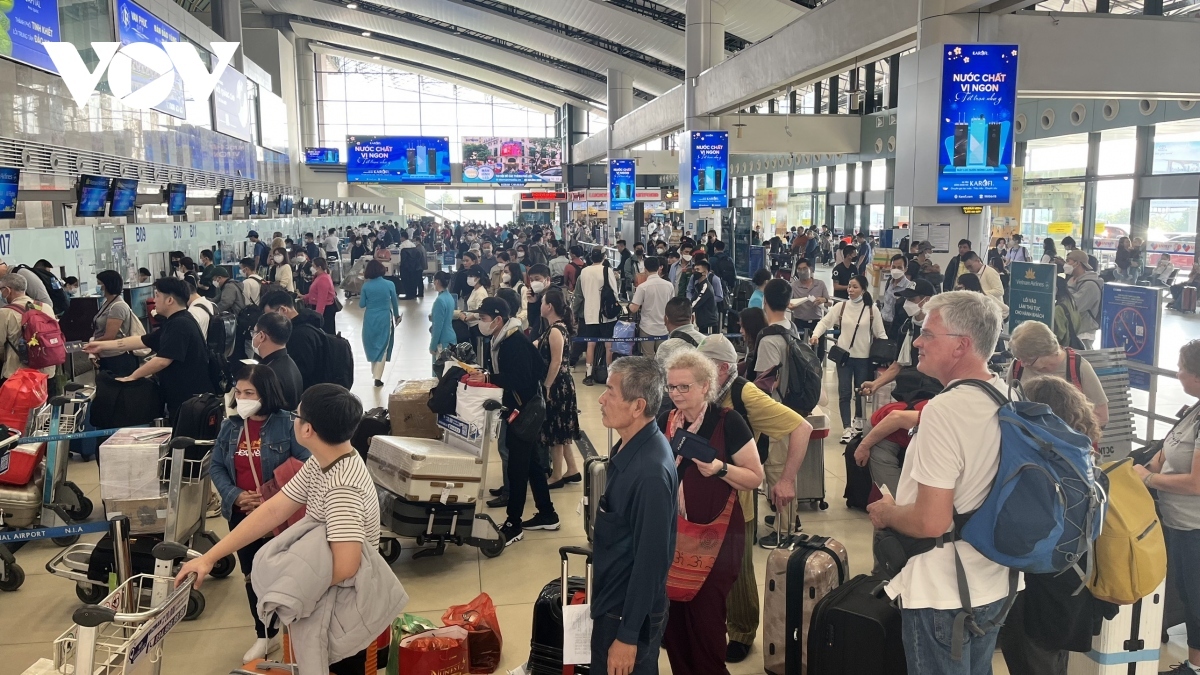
(41, 344)
(1072, 369)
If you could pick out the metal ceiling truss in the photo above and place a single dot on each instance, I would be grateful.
(490, 40)
(487, 65)
(582, 36)
(660, 13)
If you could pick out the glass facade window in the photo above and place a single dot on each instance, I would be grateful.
(1052, 210)
(878, 174)
(1177, 147)
(840, 176)
(860, 171)
(802, 181)
(1060, 157)
(1118, 150)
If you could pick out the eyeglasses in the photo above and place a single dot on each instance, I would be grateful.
(934, 336)
(681, 388)
(294, 415)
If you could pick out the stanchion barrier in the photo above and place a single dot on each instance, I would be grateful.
(53, 532)
(79, 434)
(652, 338)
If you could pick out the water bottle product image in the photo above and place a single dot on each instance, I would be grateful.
(717, 186)
(432, 167)
(422, 160)
(993, 144)
(976, 141)
(960, 143)
(410, 167)
(709, 180)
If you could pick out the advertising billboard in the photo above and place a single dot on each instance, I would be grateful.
(24, 26)
(398, 159)
(704, 170)
(979, 101)
(511, 161)
(10, 182)
(231, 105)
(135, 24)
(322, 156)
(621, 183)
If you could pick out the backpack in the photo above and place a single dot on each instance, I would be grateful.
(683, 336)
(609, 308)
(763, 442)
(1073, 340)
(1131, 554)
(58, 297)
(800, 380)
(1072, 369)
(339, 364)
(217, 340)
(243, 326)
(41, 343)
(724, 269)
(200, 417)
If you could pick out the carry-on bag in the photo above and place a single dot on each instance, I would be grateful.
(23, 391)
(373, 423)
(20, 506)
(595, 480)
(855, 630)
(546, 644)
(17, 462)
(1128, 644)
(124, 404)
(798, 576)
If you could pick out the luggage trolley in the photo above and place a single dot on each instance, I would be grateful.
(72, 415)
(457, 523)
(179, 517)
(124, 633)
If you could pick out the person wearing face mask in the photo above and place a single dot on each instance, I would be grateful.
(683, 272)
(703, 298)
(539, 281)
(844, 271)
(280, 272)
(269, 341)
(860, 325)
(478, 282)
(487, 260)
(302, 271)
(890, 307)
(1086, 290)
(909, 382)
(358, 249)
(810, 296)
(251, 445)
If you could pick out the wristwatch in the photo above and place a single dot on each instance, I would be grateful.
(724, 470)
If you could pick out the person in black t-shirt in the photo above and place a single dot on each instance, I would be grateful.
(844, 272)
(180, 354)
(269, 340)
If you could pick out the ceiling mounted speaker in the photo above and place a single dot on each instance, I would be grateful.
(891, 144)
(1078, 114)
(878, 145)
(27, 157)
(1112, 107)
(1020, 123)
(1186, 105)
(759, 165)
(1047, 118)
(1147, 107)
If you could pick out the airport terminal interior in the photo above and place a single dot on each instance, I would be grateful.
(1026, 150)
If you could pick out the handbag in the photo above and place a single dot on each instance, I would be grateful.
(528, 424)
(696, 548)
(841, 357)
(884, 352)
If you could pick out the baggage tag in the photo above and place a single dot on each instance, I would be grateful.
(577, 634)
(445, 496)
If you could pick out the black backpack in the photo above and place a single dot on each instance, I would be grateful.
(724, 269)
(243, 327)
(803, 372)
(339, 362)
(443, 398)
(609, 307)
(221, 327)
(58, 297)
(200, 417)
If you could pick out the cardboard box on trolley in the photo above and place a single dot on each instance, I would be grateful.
(409, 411)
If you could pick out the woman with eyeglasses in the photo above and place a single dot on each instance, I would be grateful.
(695, 636)
(251, 445)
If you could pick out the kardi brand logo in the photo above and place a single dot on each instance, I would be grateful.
(163, 61)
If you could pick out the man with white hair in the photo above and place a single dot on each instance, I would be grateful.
(770, 419)
(949, 469)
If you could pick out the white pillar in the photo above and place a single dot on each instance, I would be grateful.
(306, 83)
(705, 48)
(620, 103)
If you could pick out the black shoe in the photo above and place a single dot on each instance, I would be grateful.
(769, 520)
(736, 652)
(573, 478)
(512, 533)
(774, 540)
(496, 492)
(558, 484)
(588, 381)
(1180, 669)
(378, 383)
(541, 521)
(499, 502)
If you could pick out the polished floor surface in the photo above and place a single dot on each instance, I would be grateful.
(32, 617)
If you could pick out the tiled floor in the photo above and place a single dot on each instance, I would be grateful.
(31, 618)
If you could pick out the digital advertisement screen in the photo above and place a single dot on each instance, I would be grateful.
(225, 202)
(511, 161)
(176, 199)
(10, 180)
(92, 194)
(704, 170)
(123, 197)
(398, 159)
(231, 105)
(24, 26)
(979, 101)
(621, 182)
(321, 156)
(135, 24)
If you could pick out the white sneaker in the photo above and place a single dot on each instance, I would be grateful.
(857, 424)
(259, 650)
(847, 435)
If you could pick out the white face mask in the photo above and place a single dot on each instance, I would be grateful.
(471, 281)
(278, 259)
(247, 407)
(520, 254)
(1068, 268)
(857, 300)
(301, 259)
(537, 286)
(687, 258)
(506, 278)
(897, 274)
(911, 308)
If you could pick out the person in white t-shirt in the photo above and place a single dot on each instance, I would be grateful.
(949, 468)
(201, 309)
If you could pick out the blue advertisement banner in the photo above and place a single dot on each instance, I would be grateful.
(24, 26)
(231, 105)
(398, 159)
(321, 156)
(622, 188)
(511, 161)
(979, 100)
(10, 180)
(1031, 294)
(135, 24)
(1129, 319)
(758, 259)
(708, 170)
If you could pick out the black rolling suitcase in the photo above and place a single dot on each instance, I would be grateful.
(546, 645)
(855, 614)
(858, 479)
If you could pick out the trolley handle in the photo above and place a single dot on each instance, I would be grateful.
(60, 401)
(172, 550)
(92, 616)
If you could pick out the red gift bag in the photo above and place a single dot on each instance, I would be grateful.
(484, 641)
(283, 473)
(19, 394)
(441, 651)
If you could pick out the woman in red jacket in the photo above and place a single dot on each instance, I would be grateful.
(322, 296)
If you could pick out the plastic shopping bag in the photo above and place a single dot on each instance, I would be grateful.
(283, 473)
(484, 641)
(442, 651)
(470, 399)
(624, 329)
(19, 394)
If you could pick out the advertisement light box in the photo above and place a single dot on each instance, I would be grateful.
(398, 159)
(979, 100)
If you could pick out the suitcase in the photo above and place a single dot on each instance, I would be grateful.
(408, 408)
(124, 404)
(1187, 299)
(373, 423)
(546, 643)
(21, 506)
(1128, 644)
(798, 576)
(17, 462)
(854, 615)
(810, 479)
(858, 479)
(423, 470)
(424, 519)
(595, 479)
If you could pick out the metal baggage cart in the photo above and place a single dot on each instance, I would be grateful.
(438, 523)
(184, 485)
(73, 408)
